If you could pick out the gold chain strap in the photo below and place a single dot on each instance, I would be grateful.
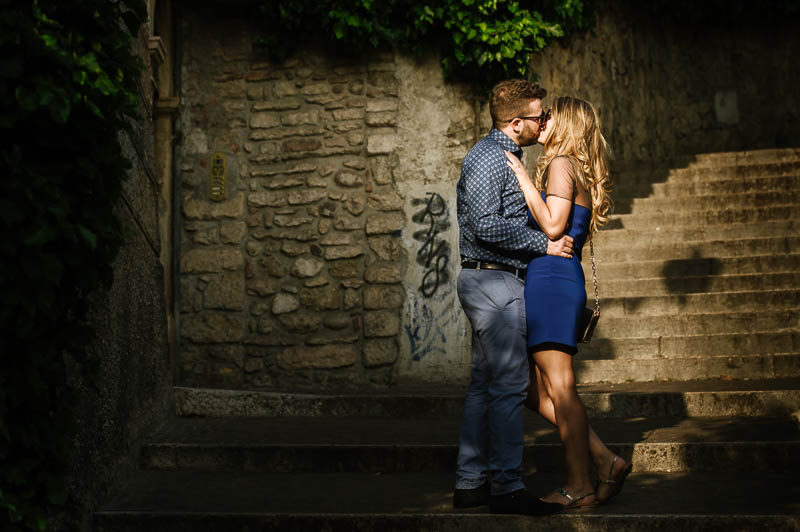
(594, 278)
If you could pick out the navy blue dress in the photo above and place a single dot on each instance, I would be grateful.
(555, 294)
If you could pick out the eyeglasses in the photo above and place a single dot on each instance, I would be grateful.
(541, 119)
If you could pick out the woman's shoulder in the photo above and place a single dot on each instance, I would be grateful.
(563, 165)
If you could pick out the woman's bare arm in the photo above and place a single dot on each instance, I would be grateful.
(551, 215)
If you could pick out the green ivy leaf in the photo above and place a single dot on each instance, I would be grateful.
(59, 110)
(93, 108)
(25, 99)
(59, 240)
(40, 236)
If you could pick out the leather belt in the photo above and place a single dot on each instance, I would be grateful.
(478, 265)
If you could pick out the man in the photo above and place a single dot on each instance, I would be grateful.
(496, 246)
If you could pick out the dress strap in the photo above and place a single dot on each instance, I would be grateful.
(558, 196)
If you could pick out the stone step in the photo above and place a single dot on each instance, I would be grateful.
(718, 201)
(656, 286)
(704, 217)
(694, 266)
(697, 235)
(714, 159)
(755, 184)
(370, 445)
(212, 501)
(624, 192)
(674, 254)
(702, 303)
(743, 157)
(686, 368)
(707, 173)
(685, 324)
(663, 348)
(714, 398)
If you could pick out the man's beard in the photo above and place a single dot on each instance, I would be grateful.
(528, 136)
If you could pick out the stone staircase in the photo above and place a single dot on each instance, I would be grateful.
(700, 279)
(693, 375)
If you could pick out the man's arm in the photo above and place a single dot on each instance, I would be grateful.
(483, 182)
(561, 247)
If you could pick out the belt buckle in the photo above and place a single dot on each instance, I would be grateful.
(478, 265)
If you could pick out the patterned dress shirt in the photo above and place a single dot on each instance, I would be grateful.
(492, 213)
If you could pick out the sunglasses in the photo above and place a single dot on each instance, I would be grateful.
(541, 119)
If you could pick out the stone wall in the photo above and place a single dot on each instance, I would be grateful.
(296, 277)
(131, 393)
(437, 124)
(332, 261)
(665, 88)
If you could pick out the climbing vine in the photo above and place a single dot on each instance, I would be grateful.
(480, 41)
(68, 87)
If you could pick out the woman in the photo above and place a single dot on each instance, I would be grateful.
(569, 195)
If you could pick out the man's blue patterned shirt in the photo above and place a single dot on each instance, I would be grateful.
(492, 214)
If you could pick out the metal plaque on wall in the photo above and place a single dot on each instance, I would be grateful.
(219, 165)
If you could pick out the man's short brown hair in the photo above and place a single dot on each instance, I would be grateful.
(510, 99)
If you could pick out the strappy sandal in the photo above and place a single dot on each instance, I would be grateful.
(574, 502)
(616, 483)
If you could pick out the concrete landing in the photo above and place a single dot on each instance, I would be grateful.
(381, 431)
(405, 445)
(705, 398)
(177, 501)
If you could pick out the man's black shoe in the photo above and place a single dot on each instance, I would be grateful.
(521, 502)
(469, 498)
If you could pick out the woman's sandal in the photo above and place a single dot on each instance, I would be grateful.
(616, 483)
(574, 502)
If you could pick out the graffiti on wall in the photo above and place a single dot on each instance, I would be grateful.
(434, 254)
(428, 328)
(433, 309)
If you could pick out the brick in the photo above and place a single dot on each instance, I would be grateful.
(348, 114)
(343, 252)
(322, 298)
(196, 209)
(378, 297)
(385, 201)
(305, 267)
(380, 352)
(267, 199)
(381, 143)
(284, 303)
(209, 327)
(385, 223)
(381, 323)
(264, 120)
(328, 356)
(211, 260)
(384, 273)
(349, 179)
(304, 118)
(295, 145)
(225, 292)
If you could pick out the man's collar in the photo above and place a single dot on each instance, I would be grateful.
(505, 141)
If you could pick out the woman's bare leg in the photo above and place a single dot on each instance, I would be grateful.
(602, 456)
(558, 379)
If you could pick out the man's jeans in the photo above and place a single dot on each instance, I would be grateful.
(491, 431)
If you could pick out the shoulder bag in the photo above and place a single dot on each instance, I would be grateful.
(590, 315)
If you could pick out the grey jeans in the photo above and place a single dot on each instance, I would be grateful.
(490, 443)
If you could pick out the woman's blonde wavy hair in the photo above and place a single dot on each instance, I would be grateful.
(577, 134)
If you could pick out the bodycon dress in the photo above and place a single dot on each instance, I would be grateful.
(555, 294)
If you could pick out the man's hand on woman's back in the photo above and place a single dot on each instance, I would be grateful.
(561, 247)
